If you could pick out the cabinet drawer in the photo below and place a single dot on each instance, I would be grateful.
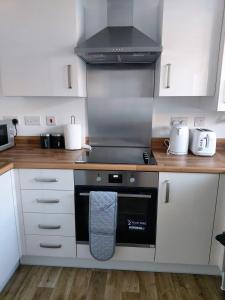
(55, 246)
(38, 201)
(46, 179)
(49, 224)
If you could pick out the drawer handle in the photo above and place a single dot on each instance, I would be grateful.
(46, 201)
(40, 226)
(50, 246)
(46, 180)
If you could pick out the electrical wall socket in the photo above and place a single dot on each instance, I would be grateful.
(10, 118)
(199, 122)
(179, 120)
(32, 120)
(50, 121)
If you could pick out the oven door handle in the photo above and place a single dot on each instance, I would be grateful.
(123, 195)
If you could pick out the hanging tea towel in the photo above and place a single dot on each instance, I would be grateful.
(102, 224)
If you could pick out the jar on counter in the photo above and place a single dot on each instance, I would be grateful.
(45, 140)
(57, 141)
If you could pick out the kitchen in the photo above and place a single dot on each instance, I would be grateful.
(123, 88)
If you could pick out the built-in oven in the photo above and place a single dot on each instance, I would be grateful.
(137, 204)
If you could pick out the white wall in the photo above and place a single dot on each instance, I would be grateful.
(165, 108)
(63, 108)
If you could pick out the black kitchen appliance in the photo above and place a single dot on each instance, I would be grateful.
(137, 204)
(118, 155)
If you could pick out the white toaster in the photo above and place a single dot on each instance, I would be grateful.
(202, 142)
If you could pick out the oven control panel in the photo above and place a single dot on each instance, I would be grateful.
(116, 178)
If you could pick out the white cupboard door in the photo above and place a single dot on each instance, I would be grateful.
(68, 76)
(37, 44)
(186, 208)
(220, 96)
(9, 250)
(190, 38)
(26, 76)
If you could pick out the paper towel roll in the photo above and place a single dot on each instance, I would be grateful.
(72, 134)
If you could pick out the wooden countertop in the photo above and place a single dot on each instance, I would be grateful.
(5, 167)
(31, 156)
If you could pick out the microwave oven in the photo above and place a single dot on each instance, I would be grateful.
(6, 135)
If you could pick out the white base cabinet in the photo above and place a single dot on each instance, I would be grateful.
(186, 208)
(217, 257)
(9, 248)
(48, 213)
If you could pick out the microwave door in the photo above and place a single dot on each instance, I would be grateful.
(3, 135)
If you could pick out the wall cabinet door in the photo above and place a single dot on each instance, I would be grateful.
(37, 48)
(9, 249)
(191, 34)
(186, 207)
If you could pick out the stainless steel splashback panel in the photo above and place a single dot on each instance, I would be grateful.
(117, 81)
(120, 121)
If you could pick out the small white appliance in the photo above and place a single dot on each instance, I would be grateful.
(179, 139)
(203, 142)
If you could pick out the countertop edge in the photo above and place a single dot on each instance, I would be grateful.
(112, 167)
(6, 167)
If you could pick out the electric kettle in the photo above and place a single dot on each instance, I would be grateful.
(179, 139)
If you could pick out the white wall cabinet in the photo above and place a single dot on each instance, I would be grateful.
(186, 207)
(9, 248)
(37, 48)
(191, 32)
(219, 100)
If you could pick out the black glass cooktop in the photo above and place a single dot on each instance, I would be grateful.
(118, 155)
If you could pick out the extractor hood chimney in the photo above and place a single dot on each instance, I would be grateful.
(120, 42)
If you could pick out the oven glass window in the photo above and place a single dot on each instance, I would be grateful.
(3, 135)
(136, 219)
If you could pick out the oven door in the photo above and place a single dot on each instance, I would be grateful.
(136, 219)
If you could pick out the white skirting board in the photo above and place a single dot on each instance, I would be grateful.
(120, 265)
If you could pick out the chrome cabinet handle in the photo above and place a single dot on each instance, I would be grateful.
(51, 246)
(46, 180)
(69, 76)
(45, 201)
(40, 226)
(168, 76)
(167, 194)
(124, 195)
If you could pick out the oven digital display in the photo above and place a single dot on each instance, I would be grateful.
(115, 178)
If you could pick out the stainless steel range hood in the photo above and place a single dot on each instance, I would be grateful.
(119, 45)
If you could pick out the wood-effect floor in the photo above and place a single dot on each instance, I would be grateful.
(50, 283)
